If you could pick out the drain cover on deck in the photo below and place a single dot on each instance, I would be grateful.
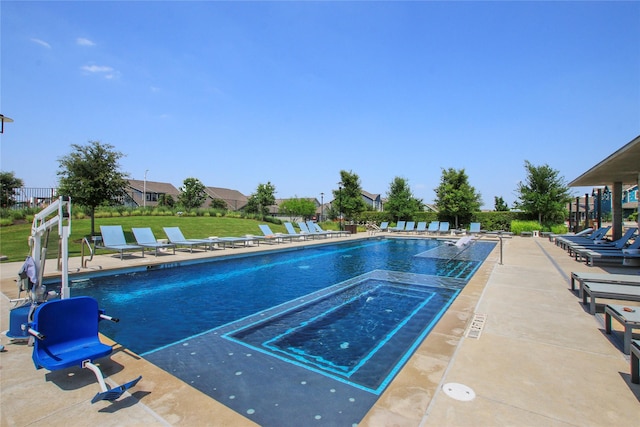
(459, 392)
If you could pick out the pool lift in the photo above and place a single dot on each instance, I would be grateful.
(55, 337)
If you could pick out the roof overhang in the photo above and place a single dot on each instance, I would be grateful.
(621, 166)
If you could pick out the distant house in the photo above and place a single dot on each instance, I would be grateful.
(373, 201)
(234, 199)
(151, 190)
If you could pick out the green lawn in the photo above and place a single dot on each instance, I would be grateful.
(14, 238)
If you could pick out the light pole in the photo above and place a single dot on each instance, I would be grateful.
(321, 206)
(4, 119)
(340, 203)
(144, 190)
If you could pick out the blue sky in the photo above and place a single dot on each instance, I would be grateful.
(241, 93)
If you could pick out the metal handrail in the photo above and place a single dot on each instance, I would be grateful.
(85, 242)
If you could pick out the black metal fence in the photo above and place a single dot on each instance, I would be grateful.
(27, 197)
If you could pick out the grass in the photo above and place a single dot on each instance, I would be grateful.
(14, 238)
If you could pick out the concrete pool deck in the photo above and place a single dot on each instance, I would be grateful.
(534, 357)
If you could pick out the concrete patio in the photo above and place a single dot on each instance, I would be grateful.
(534, 357)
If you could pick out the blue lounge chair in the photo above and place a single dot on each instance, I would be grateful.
(444, 228)
(433, 228)
(66, 333)
(590, 256)
(410, 226)
(474, 228)
(384, 226)
(399, 226)
(293, 233)
(113, 239)
(175, 236)
(315, 227)
(270, 236)
(421, 227)
(146, 239)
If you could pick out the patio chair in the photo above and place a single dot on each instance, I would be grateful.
(474, 228)
(433, 228)
(399, 226)
(315, 227)
(113, 239)
(305, 229)
(66, 333)
(617, 244)
(384, 226)
(145, 238)
(270, 236)
(410, 226)
(598, 234)
(293, 233)
(421, 227)
(593, 290)
(444, 228)
(175, 236)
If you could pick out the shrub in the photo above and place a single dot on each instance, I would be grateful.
(518, 226)
(5, 222)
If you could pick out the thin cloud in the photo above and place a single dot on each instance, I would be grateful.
(103, 70)
(81, 41)
(41, 43)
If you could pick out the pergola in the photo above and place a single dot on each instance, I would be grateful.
(620, 168)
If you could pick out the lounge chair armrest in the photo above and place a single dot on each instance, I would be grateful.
(35, 333)
(105, 317)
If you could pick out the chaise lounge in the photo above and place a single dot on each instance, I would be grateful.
(113, 239)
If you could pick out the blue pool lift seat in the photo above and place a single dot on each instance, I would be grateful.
(67, 335)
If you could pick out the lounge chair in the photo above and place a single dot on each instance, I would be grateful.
(399, 226)
(146, 239)
(590, 256)
(175, 236)
(433, 228)
(622, 279)
(244, 240)
(293, 233)
(602, 244)
(410, 227)
(421, 227)
(384, 226)
(586, 231)
(635, 361)
(563, 242)
(305, 229)
(474, 228)
(314, 226)
(66, 335)
(628, 316)
(593, 290)
(270, 236)
(113, 239)
(444, 228)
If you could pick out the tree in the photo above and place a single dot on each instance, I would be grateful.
(91, 176)
(166, 200)
(499, 204)
(8, 186)
(260, 201)
(218, 204)
(349, 195)
(401, 204)
(192, 194)
(296, 207)
(544, 194)
(455, 197)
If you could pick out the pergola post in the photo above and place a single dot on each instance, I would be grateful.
(616, 210)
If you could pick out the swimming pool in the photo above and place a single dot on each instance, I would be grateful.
(338, 319)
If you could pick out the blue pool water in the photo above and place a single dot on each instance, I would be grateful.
(162, 306)
(169, 304)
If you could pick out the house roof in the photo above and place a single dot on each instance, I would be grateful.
(621, 166)
(153, 187)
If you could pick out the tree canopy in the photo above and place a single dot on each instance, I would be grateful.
(544, 194)
(401, 204)
(455, 197)
(296, 207)
(349, 195)
(91, 176)
(499, 204)
(192, 194)
(260, 201)
(8, 185)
